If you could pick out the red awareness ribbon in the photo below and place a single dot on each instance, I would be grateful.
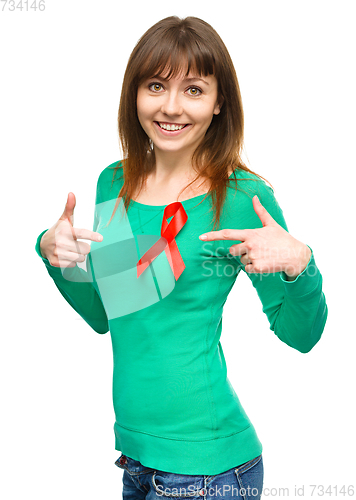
(167, 241)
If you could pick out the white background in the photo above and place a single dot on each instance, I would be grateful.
(62, 71)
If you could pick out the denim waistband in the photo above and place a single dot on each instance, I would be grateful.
(131, 465)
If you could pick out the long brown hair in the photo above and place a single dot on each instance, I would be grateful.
(165, 46)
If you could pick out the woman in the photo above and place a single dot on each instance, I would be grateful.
(159, 286)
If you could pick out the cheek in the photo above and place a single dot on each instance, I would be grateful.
(203, 113)
(142, 105)
(204, 122)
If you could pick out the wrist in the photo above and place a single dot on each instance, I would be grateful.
(293, 270)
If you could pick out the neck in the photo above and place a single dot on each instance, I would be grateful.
(170, 166)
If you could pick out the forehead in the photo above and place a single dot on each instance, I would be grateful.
(179, 71)
(179, 68)
(181, 75)
(191, 77)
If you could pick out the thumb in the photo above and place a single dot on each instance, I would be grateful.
(68, 212)
(262, 213)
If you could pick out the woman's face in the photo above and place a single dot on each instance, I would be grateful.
(191, 101)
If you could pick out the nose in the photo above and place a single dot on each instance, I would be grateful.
(171, 104)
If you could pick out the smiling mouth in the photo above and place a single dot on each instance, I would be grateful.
(172, 127)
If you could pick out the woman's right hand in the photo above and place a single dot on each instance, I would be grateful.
(60, 243)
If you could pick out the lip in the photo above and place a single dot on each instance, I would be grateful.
(171, 132)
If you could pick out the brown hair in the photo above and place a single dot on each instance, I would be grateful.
(165, 46)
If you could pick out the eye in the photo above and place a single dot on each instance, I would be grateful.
(196, 89)
(154, 84)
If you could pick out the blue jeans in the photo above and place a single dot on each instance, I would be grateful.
(244, 482)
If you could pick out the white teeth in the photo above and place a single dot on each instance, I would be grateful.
(171, 127)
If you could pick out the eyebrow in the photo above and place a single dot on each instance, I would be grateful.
(186, 79)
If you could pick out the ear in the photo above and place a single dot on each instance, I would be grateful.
(218, 105)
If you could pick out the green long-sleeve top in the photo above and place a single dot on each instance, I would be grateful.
(175, 408)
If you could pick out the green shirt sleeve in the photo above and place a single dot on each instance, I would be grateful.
(77, 287)
(296, 310)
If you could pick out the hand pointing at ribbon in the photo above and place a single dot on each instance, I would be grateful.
(268, 249)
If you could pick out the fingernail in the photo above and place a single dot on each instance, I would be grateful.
(100, 238)
(203, 237)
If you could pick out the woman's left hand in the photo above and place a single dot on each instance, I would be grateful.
(268, 249)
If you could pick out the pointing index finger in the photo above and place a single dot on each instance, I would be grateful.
(86, 234)
(224, 234)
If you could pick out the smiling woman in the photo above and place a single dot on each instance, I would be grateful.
(160, 290)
